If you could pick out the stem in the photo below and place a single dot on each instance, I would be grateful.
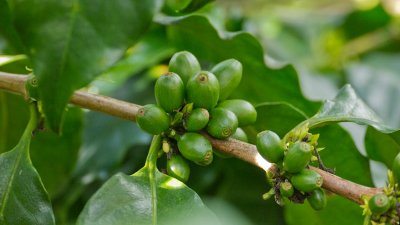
(151, 163)
(241, 150)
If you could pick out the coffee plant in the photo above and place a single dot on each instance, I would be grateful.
(185, 112)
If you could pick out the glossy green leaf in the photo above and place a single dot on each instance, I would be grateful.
(129, 200)
(348, 107)
(382, 147)
(72, 42)
(24, 200)
(259, 82)
(146, 197)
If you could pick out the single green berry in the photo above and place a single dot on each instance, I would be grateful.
(286, 189)
(152, 119)
(229, 74)
(223, 123)
(307, 180)
(178, 168)
(396, 168)
(169, 92)
(269, 146)
(379, 203)
(244, 110)
(240, 135)
(297, 157)
(185, 65)
(317, 199)
(196, 120)
(203, 90)
(195, 147)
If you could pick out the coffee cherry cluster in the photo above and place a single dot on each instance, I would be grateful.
(190, 101)
(384, 207)
(292, 179)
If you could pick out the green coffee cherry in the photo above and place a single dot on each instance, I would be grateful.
(169, 92)
(229, 74)
(240, 135)
(307, 180)
(203, 90)
(317, 199)
(297, 157)
(195, 147)
(197, 119)
(286, 189)
(396, 168)
(185, 65)
(223, 123)
(244, 110)
(178, 168)
(269, 146)
(379, 203)
(152, 119)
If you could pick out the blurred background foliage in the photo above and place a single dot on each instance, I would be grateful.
(329, 44)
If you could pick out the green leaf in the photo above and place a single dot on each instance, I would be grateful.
(152, 49)
(24, 200)
(14, 116)
(338, 211)
(55, 156)
(7, 30)
(72, 42)
(382, 147)
(259, 82)
(269, 114)
(146, 197)
(195, 5)
(348, 107)
(128, 200)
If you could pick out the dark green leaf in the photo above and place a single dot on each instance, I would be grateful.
(14, 115)
(107, 138)
(342, 154)
(195, 5)
(152, 49)
(24, 200)
(127, 200)
(382, 147)
(259, 82)
(348, 107)
(55, 156)
(72, 42)
(338, 211)
(7, 30)
(270, 116)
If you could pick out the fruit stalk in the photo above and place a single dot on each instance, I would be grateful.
(244, 151)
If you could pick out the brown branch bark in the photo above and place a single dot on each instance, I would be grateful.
(244, 151)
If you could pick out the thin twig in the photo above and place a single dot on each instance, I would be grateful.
(241, 150)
